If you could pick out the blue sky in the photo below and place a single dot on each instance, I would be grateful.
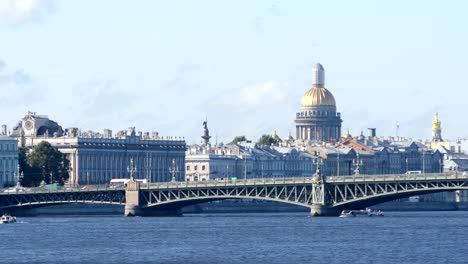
(167, 65)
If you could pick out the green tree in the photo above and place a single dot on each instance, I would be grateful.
(30, 176)
(267, 140)
(51, 164)
(238, 139)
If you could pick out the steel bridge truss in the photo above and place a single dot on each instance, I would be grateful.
(51, 198)
(339, 194)
(298, 194)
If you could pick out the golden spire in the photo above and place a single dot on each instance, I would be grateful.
(436, 122)
(274, 136)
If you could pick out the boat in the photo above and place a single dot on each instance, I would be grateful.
(366, 212)
(346, 213)
(7, 219)
(371, 212)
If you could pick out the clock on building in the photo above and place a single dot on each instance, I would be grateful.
(28, 125)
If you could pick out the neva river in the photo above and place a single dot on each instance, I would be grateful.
(404, 237)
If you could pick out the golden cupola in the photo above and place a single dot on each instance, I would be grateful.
(318, 95)
(436, 122)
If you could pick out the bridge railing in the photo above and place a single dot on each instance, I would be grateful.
(58, 189)
(229, 182)
(241, 182)
(397, 177)
(306, 180)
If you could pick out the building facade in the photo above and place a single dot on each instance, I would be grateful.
(247, 161)
(318, 119)
(8, 161)
(96, 158)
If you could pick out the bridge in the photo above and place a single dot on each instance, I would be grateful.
(324, 196)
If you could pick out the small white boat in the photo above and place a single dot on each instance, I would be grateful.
(7, 219)
(346, 213)
(371, 212)
(366, 212)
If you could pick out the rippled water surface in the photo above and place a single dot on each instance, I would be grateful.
(405, 237)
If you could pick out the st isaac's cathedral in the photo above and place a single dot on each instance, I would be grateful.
(318, 120)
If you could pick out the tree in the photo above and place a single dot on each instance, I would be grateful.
(267, 140)
(30, 176)
(238, 139)
(49, 163)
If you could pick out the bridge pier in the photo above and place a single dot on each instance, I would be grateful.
(132, 199)
(323, 210)
(134, 206)
(132, 210)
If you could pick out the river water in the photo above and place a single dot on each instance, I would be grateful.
(403, 237)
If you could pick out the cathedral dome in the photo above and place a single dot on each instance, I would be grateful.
(318, 96)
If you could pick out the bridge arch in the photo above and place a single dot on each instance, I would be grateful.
(379, 198)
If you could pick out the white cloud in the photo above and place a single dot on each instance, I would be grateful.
(19, 11)
(260, 94)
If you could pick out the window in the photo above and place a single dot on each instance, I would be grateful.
(195, 167)
(203, 168)
(188, 167)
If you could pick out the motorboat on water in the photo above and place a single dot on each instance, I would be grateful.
(347, 213)
(366, 212)
(371, 212)
(7, 219)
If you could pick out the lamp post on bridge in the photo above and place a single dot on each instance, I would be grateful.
(424, 161)
(406, 160)
(358, 163)
(318, 162)
(131, 169)
(17, 176)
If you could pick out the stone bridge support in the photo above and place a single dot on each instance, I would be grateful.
(322, 205)
(136, 206)
(132, 199)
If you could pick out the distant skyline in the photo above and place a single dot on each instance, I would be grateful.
(243, 65)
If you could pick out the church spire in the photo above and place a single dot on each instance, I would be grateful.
(318, 78)
(436, 129)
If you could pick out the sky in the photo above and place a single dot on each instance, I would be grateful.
(167, 66)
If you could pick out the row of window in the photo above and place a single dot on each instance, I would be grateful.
(195, 167)
(8, 146)
(317, 113)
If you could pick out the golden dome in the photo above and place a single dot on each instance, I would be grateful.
(318, 96)
(436, 122)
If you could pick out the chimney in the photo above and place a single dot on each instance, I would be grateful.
(4, 129)
(371, 132)
(107, 133)
(155, 135)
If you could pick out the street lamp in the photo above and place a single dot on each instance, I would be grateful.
(338, 165)
(131, 169)
(70, 169)
(17, 176)
(406, 159)
(358, 163)
(424, 162)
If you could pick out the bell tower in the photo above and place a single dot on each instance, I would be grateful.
(436, 129)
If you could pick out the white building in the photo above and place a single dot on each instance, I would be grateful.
(245, 161)
(8, 161)
(96, 158)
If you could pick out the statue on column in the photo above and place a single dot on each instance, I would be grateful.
(206, 134)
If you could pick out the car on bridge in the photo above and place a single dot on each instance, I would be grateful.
(87, 188)
(14, 190)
